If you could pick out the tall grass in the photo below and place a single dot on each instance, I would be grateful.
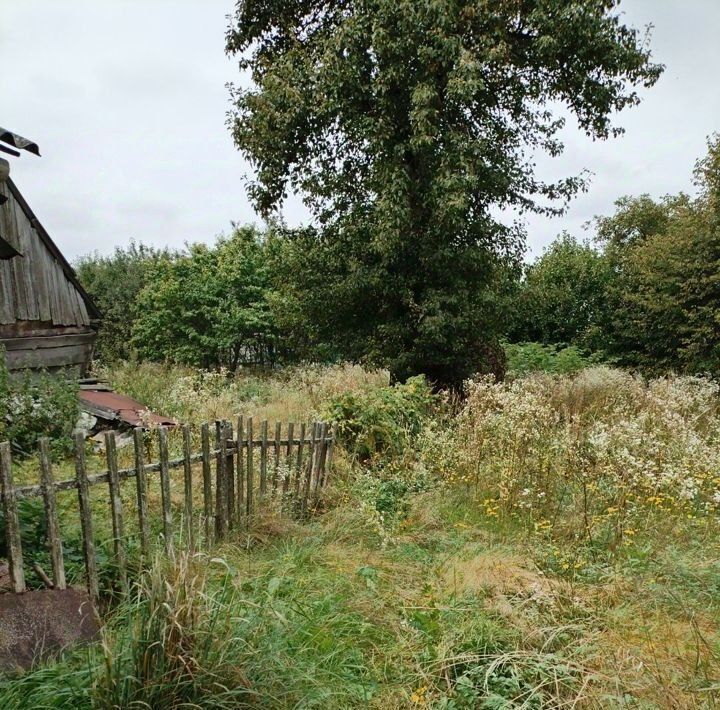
(550, 542)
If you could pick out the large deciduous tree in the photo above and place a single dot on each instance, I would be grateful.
(409, 127)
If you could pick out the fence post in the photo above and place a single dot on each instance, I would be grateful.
(165, 490)
(207, 482)
(53, 525)
(187, 471)
(12, 522)
(86, 517)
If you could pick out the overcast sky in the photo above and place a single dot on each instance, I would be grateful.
(127, 101)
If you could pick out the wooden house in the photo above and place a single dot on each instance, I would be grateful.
(47, 320)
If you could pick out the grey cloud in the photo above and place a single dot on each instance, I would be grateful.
(127, 100)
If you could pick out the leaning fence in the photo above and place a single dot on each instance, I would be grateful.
(240, 472)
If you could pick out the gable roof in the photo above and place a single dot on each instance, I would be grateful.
(52, 248)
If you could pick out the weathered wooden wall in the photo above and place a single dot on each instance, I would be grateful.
(46, 319)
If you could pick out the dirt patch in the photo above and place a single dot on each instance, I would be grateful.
(36, 624)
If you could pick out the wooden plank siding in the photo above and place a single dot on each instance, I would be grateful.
(47, 320)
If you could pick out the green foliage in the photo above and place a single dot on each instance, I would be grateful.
(536, 357)
(668, 285)
(564, 298)
(114, 283)
(407, 126)
(381, 422)
(34, 405)
(208, 307)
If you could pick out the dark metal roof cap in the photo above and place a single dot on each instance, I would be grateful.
(17, 141)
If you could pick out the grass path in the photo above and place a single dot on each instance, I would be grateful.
(455, 610)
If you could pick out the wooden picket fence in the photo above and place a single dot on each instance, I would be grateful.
(248, 472)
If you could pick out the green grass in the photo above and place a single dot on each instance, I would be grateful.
(423, 583)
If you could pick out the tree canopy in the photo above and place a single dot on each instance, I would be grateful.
(408, 126)
(208, 307)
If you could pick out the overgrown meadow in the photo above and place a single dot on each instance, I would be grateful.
(549, 541)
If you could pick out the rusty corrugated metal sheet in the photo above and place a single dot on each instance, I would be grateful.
(118, 407)
(17, 141)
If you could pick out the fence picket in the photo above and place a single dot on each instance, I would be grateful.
(240, 485)
(141, 490)
(12, 522)
(288, 457)
(309, 467)
(330, 451)
(298, 466)
(235, 483)
(263, 456)
(207, 482)
(116, 514)
(86, 517)
(276, 462)
(229, 473)
(55, 545)
(165, 490)
(221, 522)
(250, 473)
(187, 480)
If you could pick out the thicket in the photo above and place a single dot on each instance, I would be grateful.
(641, 292)
(34, 405)
(644, 291)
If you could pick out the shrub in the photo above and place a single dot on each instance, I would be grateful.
(536, 357)
(36, 405)
(384, 421)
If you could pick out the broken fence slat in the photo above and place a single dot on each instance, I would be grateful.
(53, 525)
(12, 522)
(83, 488)
(141, 489)
(116, 509)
